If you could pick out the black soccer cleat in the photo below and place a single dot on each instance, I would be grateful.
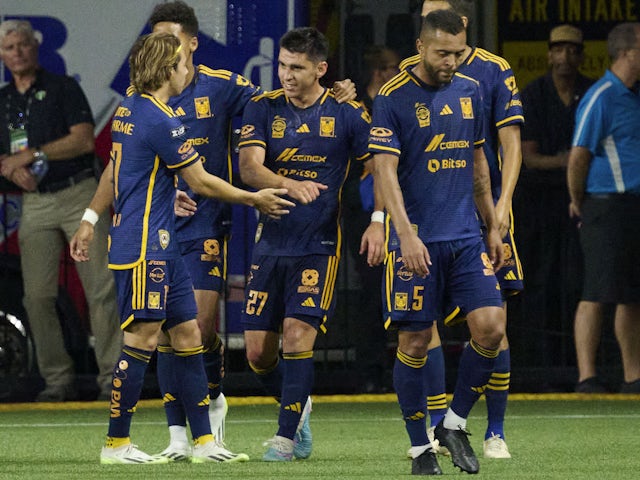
(426, 464)
(458, 444)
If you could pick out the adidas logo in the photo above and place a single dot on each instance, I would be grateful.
(179, 112)
(446, 110)
(510, 276)
(304, 128)
(308, 302)
(214, 272)
(294, 407)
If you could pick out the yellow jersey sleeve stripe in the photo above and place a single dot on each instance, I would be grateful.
(253, 143)
(394, 151)
(513, 118)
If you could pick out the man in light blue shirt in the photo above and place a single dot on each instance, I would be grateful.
(604, 183)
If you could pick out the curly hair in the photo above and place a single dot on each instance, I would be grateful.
(176, 12)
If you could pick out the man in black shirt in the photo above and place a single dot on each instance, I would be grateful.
(549, 244)
(46, 149)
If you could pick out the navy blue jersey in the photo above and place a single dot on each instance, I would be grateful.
(148, 146)
(206, 107)
(434, 132)
(501, 100)
(315, 144)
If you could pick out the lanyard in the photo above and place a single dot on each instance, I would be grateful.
(21, 117)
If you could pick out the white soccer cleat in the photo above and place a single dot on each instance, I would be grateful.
(218, 409)
(495, 447)
(176, 452)
(128, 455)
(303, 439)
(213, 452)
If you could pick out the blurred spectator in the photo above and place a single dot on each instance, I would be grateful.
(549, 245)
(46, 148)
(381, 64)
(604, 184)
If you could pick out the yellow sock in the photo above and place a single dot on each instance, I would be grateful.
(203, 439)
(115, 442)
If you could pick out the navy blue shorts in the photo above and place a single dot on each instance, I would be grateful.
(206, 261)
(510, 274)
(461, 281)
(297, 287)
(155, 290)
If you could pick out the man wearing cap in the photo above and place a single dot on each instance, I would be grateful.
(549, 245)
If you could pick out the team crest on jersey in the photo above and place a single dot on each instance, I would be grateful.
(488, 267)
(327, 127)
(278, 126)
(401, 301)
(309, 281)
(467, 108)
(203, 108)
(153, 300)
(423, 115)
(508, 253)
(164, 238)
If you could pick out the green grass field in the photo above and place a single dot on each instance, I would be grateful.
(550, 437)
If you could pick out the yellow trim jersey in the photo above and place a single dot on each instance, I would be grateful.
(433, 131)
(314, 143)
(148, 147)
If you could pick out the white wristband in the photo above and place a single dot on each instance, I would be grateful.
(377, 216)
(90, 216)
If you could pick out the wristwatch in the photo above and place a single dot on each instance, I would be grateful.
(40, 155)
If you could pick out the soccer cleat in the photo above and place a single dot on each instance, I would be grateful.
(426, 464)
(435, 444)
(495, 447)
(280, 450)
(457, 442)
(303, 440)
(217, 414)
(128, 455)
(177, 452)
(213, 452)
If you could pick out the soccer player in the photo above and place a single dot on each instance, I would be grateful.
(154, 290)
(206, 106)
(432, 174)
(504, 118)
(298, 138)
